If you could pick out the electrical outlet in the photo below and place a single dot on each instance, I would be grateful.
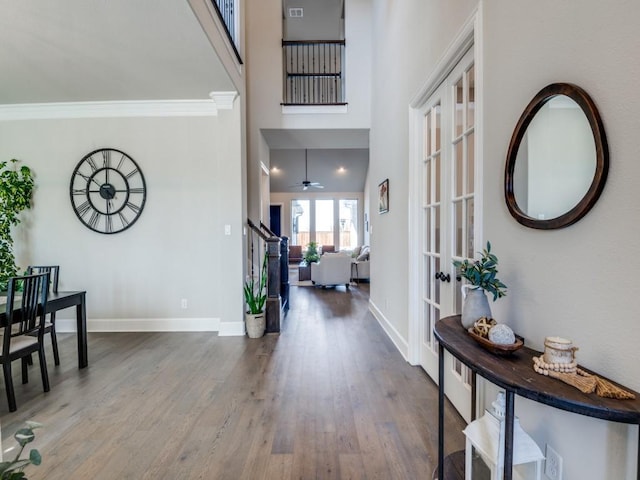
(553, 464)
(184, 304)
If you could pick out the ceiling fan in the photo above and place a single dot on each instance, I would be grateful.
(305, 184)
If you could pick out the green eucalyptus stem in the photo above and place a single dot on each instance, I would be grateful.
(482, 273)
(13, 470)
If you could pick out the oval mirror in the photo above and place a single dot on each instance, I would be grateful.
(558, 159)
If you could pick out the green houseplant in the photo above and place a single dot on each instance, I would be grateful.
(14, 469)
(481, 275)
(16, 190)
(255, 296)
(311, 253)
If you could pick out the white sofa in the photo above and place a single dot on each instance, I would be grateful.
(332, 269)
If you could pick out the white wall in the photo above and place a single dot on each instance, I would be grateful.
(409, 39)
(572, 282)
(264, 80)
(576, 282)
(177, 249)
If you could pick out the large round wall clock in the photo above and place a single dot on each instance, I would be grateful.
(108, 191)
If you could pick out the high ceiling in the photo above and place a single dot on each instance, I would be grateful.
(337, 170)
(96, 50)
(336, 158)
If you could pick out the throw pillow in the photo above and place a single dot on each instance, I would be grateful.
(364, 254)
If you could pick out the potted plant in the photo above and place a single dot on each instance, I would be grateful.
(14, 469)
(311, 253)
(481, 275)
(16, 190)
(255, 296)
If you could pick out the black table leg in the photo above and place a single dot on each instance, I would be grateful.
(638, 464)
(508, 436)
(440, 411)
(81, 322)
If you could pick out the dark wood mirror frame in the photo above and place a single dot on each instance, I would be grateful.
(581, 97)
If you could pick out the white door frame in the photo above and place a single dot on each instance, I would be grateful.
(468, 38)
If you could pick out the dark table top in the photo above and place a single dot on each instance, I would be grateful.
(515, 372)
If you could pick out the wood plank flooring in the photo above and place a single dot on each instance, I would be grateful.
(328, 398)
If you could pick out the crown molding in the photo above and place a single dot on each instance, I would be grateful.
(223, 100)
(126, 108)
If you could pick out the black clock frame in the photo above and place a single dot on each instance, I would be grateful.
(119, 183)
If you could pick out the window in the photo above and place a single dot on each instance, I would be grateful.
(327, 221)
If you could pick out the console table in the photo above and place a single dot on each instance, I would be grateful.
(515, 374)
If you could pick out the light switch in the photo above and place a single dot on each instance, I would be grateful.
(227, 229)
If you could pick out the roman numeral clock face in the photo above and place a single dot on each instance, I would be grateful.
(108, 191)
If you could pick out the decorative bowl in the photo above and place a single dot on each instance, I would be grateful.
(497, 348)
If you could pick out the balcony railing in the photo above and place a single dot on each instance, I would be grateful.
(313, 72)
(226, 10)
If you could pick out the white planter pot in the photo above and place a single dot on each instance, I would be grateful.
(474, 306)
(255, 323)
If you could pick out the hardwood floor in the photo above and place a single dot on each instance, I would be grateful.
(328, 398)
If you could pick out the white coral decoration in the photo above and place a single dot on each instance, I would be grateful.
(502, 334)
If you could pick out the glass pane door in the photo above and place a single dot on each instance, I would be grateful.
(300, 222)
(324, 222)
(348, 224)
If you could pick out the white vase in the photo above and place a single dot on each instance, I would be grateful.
(474, 306)
(255, 323)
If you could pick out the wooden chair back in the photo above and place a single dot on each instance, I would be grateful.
(53, 270)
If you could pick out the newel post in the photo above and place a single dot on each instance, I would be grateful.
(273, 286)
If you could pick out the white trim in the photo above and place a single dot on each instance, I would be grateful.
(143, 325)
(466, 38)
(223, 100)
(390, 330)
(222, 34)
(414, 234)
(454, 53)
(231, 329)
(313, 109)
(126, 108)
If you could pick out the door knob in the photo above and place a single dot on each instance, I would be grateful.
(444, 277)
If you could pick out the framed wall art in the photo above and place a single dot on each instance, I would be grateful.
(383, 197)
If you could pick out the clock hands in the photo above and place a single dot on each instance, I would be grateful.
(89, 179)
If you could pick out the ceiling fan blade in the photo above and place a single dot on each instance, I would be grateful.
(317, 185)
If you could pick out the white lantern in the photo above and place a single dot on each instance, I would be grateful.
(485, 447)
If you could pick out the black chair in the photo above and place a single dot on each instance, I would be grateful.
(49, 325)
(24, 331)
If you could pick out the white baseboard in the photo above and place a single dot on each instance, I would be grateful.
(231, 329)
(143, 325)
(400, 343)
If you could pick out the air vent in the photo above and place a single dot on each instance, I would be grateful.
(295, 12)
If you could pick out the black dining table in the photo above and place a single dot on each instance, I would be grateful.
(59, 301)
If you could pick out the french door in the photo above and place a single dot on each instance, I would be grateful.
(447, 216)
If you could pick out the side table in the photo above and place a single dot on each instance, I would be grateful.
(514, 373)
(304, 271)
